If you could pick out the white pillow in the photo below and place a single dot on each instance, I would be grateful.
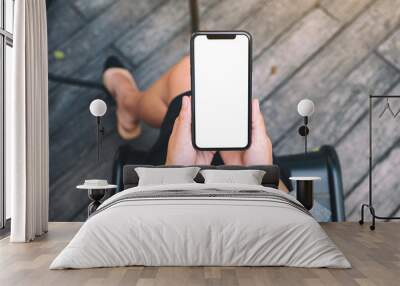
(248, 177)
(165, 176)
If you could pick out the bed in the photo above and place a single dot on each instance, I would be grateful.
(201, 224)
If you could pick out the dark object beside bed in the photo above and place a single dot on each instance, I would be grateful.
(322, 162)
(270, 179)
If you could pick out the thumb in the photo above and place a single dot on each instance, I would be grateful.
(258, 123)
(185, 115)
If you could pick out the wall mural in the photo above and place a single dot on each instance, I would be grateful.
(335, 55)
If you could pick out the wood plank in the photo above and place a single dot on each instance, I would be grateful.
(386, 191)
(178, 47)
(99, 34)
(91, 9)
(78, 134)
(375, 258)
(390, 49)
(330, 66)
(72, 160)
(385, 137)
(344, 10)
(66, 148)
(66, 152)
(62, 22)
(159, 27)
(84, 166)
(62, 25)
(216, 18)
(297, 45)
(340, 109)
(274, 17)
(278, 15)
(358, 135)
(353, 149)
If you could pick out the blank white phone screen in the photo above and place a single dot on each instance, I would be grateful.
(221, 71)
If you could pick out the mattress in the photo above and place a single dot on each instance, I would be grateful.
(201, 225)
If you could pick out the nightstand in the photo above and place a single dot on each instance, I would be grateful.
(305, 190)
(96, 190)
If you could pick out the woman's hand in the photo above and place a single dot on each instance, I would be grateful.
(180, 148)
(260, 150)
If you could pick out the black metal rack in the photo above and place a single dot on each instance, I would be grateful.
(370, 202)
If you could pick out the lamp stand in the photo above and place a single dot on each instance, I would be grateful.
(100, 133)
(303, 131)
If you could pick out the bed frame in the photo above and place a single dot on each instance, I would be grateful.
(271, 178)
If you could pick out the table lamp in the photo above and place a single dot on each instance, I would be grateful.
(98, 108)
(305, 108)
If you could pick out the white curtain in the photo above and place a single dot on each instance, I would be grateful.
(27, 173)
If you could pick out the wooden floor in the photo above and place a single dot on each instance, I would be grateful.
(334, 52)
(374, 255)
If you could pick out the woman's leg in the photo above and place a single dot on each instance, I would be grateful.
(154, 101)
(150, 105)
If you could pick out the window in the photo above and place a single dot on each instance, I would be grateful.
(6, 64)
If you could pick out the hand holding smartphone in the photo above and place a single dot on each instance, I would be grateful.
(221, 90)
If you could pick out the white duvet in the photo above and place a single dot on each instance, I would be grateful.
(183, 231)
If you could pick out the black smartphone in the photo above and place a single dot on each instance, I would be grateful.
(221, 68)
